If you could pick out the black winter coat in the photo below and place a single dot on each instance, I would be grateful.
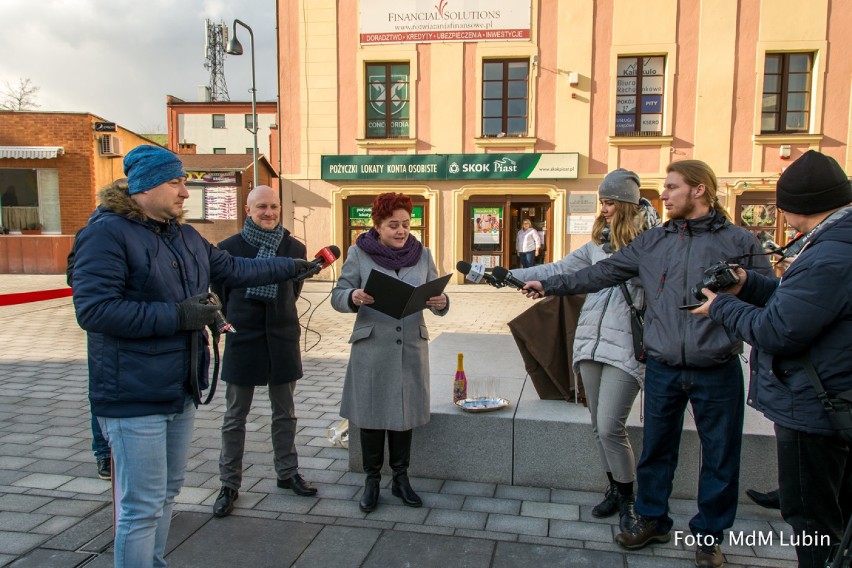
(808, 311)
(265, 349)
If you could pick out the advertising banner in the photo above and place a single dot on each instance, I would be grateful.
(424, 21)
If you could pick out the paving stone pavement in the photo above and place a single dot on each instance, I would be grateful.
(55, 512)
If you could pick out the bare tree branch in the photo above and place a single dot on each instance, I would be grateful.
(19, 97)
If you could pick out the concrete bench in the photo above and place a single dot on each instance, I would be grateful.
(540, 443)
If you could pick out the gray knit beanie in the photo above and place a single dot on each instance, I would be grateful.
(620, 185)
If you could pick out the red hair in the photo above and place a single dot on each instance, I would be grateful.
(386, 203)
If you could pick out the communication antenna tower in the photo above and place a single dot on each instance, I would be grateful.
(214, 54)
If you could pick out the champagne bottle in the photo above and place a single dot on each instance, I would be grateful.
(460, 383)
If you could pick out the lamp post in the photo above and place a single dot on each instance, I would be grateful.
(236, 48)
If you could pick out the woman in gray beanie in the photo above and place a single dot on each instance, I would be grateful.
(603, 342)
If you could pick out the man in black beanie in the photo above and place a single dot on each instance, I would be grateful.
(800, 329)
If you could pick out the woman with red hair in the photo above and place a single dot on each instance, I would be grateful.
(387, 380)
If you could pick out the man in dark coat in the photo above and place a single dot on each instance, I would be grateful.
(801, 320)
(264, 351)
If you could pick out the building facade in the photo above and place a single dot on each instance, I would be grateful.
(490, 115)
(222, 127)
(51, 166)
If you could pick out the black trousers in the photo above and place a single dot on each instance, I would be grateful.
(815, 482)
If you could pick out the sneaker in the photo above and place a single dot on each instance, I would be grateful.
(609, 506)
(644, 532)
(105, 469)
(709, 555)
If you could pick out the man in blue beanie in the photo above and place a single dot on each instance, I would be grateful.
(141, 281)
(800, 330)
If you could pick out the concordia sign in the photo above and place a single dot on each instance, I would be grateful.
(450, 166)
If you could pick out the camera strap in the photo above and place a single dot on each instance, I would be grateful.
(195, 386)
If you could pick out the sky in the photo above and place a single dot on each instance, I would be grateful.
(118, 59)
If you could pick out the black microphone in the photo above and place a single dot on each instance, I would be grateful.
(476, 273)
(505, 277)
(325, 257)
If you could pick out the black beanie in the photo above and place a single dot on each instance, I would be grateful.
(812, 184)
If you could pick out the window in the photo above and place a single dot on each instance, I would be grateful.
(249, 122)
(219, 151)
(250, 151)
(639, 96)
(786, 93)
(218, 121)
(388, 103)
(505, 97)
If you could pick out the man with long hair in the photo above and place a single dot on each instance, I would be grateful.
(690, 360)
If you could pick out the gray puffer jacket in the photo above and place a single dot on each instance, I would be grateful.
(603, 330)
(669, 261)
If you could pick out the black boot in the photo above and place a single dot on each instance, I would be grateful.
(609, 505)
(399, 449)
(626, 512)
(372, 457)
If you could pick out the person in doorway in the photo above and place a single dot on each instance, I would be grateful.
(528, 244)
(603, 342)
(386, 389)
(690, 360)
(264, 351)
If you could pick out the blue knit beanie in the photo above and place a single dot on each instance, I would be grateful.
(147, 167)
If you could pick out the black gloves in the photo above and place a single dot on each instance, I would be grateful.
(302, 265)
(196, 312)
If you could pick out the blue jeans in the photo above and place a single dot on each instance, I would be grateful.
(100, 447)
(527, 258)
(149, 464)
(717, 396)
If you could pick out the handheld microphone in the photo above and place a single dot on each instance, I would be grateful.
(325, 257)
(476, 273)
(220, 324)
(504, 277)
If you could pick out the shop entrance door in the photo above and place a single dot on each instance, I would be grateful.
(491, 228)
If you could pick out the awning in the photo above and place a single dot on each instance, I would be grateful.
(31, 152)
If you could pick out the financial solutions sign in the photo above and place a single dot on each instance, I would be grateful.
(425, 21)
(450, 167)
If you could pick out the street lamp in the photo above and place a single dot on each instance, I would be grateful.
(236, 48)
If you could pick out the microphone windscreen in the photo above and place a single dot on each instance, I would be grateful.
(500, 273)
(335, 251)
(463, 267)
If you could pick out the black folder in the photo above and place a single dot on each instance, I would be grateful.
(399, 299)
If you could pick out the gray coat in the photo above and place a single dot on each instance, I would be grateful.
(603, 330)
(387, 379)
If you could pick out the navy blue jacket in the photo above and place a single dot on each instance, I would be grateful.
(129, 275)
(265, 349)
(808, 310)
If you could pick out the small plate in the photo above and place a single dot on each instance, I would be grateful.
(482, 404)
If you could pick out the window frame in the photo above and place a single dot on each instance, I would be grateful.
(505, 99)
(638, 109)
(388, 117)
(248, 120)
(783, 92)
(220, 151)
(213, 121)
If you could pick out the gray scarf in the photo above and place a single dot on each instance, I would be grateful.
(267, 243)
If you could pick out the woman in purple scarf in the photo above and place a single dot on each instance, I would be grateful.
(387, 379)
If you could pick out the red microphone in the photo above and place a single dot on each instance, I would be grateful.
(325, 257)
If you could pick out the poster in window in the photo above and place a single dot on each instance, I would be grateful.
(220, 202)
(652, 103)
(194, 204)
(652, 85)
(626, 86)
(653, 65)
(651, 123)
(487, 222)
(627, 66)
(625, 123)
(625, 104)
